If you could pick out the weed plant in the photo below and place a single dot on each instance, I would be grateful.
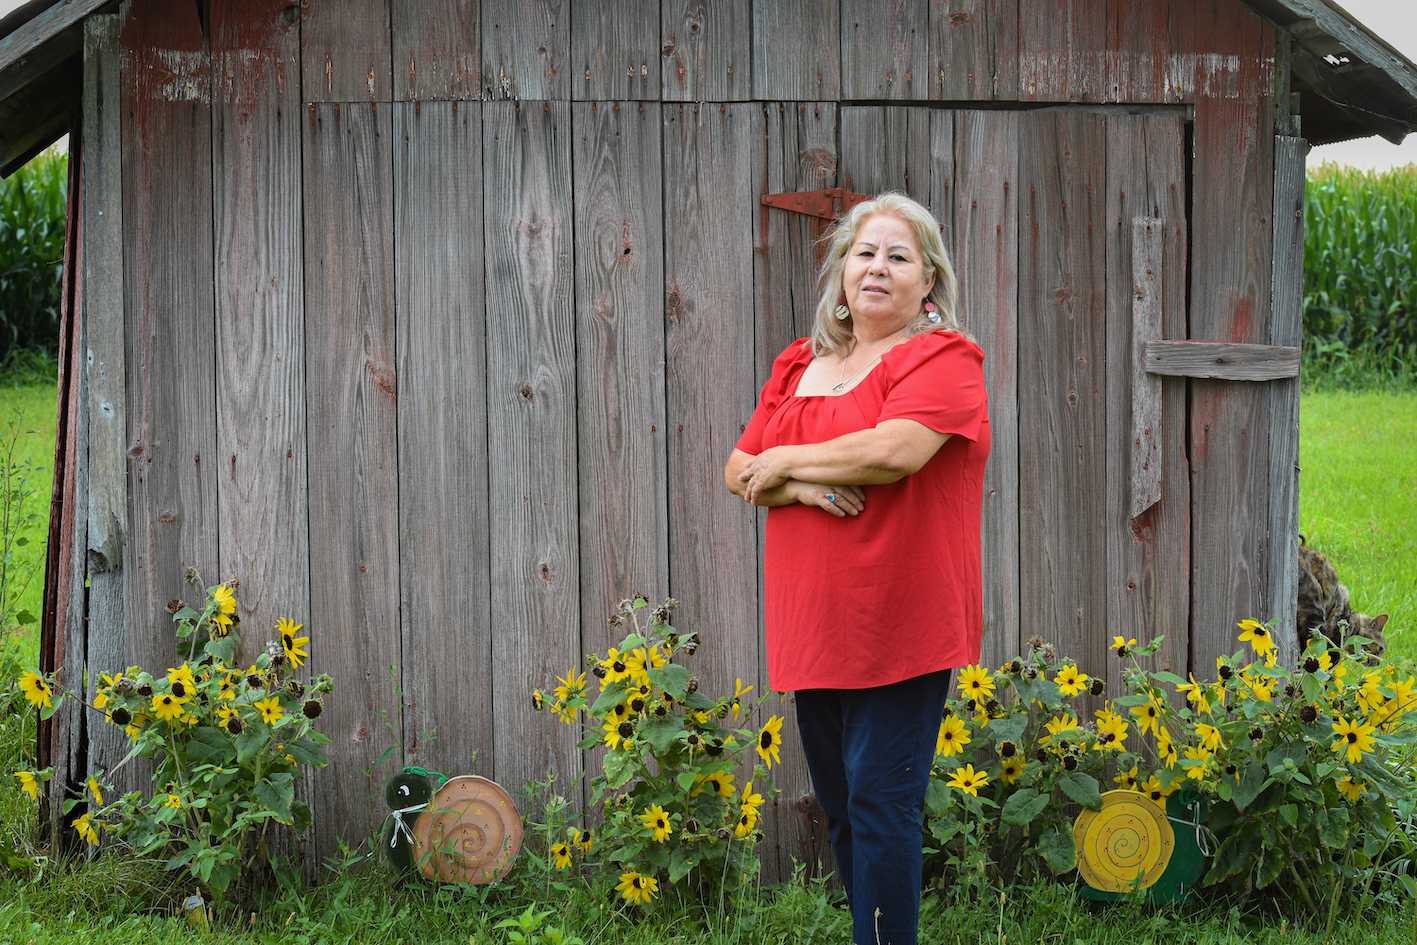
(32, 205)
(1360, 278)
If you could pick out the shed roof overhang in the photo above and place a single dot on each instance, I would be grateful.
(1350, 82)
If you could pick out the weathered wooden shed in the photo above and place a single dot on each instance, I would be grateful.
(432, 322)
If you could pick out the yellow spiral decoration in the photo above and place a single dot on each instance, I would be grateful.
(1124, 846)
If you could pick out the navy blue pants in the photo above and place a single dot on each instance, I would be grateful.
(870, 751)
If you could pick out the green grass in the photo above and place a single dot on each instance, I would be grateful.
(34, 409)
(1358, 500)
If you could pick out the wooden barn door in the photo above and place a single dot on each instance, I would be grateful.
(1037, 209)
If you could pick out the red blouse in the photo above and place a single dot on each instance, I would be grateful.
(896, 591)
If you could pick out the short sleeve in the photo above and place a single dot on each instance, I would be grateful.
(938, 381)
(786, 370)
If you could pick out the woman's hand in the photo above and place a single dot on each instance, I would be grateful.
(840, 501)
(765, 471)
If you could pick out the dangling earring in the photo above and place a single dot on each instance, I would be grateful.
(841, 312)
(931, 314)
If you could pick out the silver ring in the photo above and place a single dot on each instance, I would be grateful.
(831, 496)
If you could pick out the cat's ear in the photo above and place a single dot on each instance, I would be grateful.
(1379, 622)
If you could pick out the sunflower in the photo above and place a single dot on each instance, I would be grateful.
(770, 740)
(739, 691)
(172, 801)
(968, 780)
(1111, 732)
(582, 839)
(92, 785)
(1209, 735)
(572, 686)
(1165, 750)
(135, 727)
(1011, 770)
(657, 822)
(1122, 647)
(291, 643)
(222, 618)
(1257, 635)
(1195, 693)
(1057, 726)
(29, 784)
(637, 888)
(1261, 687)
(615, 667)
(722, 782)
(952, 737)
(1354, 737)
(227, 684)
(1349, 789)
(1153, 789)
(1369, 695)
(751, 800)
(641, 661)
(36, 690)
(182, 675)
(83, 825)
(105, 689)
(1070, 681)
(1148, 714)
(167, 708)
(747, 820)
(1201, 771)
(560, 856)
(271, 710)
(976, 683)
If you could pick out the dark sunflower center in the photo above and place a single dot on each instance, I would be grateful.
(288, 640)
(765, 739)
(1352, 737)
(636, 882)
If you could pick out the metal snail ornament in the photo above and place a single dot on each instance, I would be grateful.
(1134, 845)
(466, 831)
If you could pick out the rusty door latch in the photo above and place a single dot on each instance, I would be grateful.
(826, 204)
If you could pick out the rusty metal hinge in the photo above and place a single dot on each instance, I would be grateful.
(826, 204)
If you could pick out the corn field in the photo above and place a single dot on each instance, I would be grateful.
(1359, 275)
(31, 255)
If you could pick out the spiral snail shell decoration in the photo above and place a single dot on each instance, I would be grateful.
(1126, 845)
(470, 833)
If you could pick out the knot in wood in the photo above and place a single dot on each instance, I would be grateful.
(526, 392)
(959, 19)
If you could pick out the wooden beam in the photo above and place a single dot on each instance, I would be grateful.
(1222, 360)
(37, 64)
(43, 28)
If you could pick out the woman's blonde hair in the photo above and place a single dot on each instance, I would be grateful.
(833, 334)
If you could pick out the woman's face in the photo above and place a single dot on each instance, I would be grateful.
(886, 278)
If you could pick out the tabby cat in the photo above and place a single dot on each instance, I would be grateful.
(1324, 606)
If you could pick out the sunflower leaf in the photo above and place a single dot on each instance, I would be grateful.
(1082, 788)
(672, 678)
(248, 743)
(619, 768)
(660, 732)
(610, 697)
(1250, 786)
(1023, 806)
(1009, 728)
(1058, 849)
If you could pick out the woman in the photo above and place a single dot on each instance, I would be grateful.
(869, 444)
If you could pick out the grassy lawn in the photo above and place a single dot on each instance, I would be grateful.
(32, 411)
(1358, 500)
(1358, 504)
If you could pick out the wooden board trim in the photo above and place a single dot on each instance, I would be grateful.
(1222, 360)
(1148, 242)
(42, 28)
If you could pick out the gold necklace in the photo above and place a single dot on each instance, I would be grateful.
(843, 380)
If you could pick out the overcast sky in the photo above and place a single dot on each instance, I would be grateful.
(1393, 20)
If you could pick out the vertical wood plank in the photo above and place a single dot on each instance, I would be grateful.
(801, 155)
(615, 50)
(444, 571)
(531, 422)
(1062, 50)
(61, 738)
(1286, 328)
(796, 51)
(1230, 301)
(886, 147)
(942, 175)
(526, 50)
(1148, 557)
(974, 49)
(437, 50)
(1062, 344)
(110, 639)
(711, 151)
(1147, 39)
(707, 53)
(353, 444)
(260, 317)
(885, 50)
(986, 263)
(345, 53)
(624, 525)
(171, 342)
(1144, 444)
